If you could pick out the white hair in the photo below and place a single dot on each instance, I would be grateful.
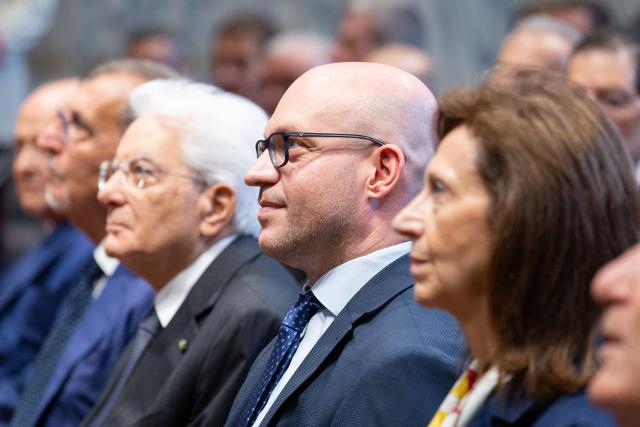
(218, 132)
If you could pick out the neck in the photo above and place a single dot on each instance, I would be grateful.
(476, 327)
(351, 248)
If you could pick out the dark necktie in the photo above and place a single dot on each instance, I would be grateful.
(145, 333)
(70, 314)
(285, 347)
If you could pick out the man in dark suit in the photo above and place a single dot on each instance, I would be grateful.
(32, 287)
(105, 304)
(181, 217)
(345, 149)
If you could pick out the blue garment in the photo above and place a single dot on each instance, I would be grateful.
(93, 350)
(573, 410)
(383, 361)
(31, 291)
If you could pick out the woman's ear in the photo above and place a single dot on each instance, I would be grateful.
(216, 205)
(388, 165)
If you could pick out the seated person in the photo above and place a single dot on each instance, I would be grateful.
(180, 216)
(529, 193)
(32, 288)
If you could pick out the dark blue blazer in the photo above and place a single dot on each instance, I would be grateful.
(573, 410)
(94, 348)
(31, 290)
(383, 361)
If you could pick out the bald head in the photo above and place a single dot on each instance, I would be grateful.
(29, 166)
(371, 99)
(539, 42)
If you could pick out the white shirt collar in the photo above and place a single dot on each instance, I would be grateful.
(637, 173)
(169, 299)
(107, 264)
(336, 287)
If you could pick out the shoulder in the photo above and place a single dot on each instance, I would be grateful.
(574, 410)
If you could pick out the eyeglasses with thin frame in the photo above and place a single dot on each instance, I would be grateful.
(278, 144)
(138, 173)
(74, 127)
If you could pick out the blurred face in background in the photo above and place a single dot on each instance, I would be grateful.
(235, 64)
(29, 165)
(609, 77)
(355, 37)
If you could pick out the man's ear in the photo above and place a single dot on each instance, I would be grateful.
(216, 205)
(388, 165)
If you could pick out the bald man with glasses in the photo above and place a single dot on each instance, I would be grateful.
(346, 148)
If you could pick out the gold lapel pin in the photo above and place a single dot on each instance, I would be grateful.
(183, 344)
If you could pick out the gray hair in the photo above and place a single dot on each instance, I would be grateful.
(547, 23)
(218, 131)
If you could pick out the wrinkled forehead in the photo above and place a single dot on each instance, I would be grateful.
(153, 138)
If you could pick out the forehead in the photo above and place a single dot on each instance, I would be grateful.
(153, 138)
(456, 155)
(603, 68)
(104, 96)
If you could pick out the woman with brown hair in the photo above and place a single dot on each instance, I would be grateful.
(529, 193)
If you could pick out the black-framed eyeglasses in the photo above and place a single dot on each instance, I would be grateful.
(278, 143)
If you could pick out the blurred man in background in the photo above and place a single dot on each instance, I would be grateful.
(369, 24)
(607, 65)
(287, 56)
(407, 58)
(539, 41)
(236, 51)
(158, 45)
(32, 287)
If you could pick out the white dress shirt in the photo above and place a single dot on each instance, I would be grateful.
(168, 301)
(107, 264)
(334, 290)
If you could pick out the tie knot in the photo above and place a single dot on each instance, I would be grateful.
(299, 315)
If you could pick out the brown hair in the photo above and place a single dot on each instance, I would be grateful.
(563, 203)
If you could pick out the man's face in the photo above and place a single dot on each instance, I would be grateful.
(29, 165)
(94, 120)
(160, 221)
(311, 206)
(609, 78)
(235, 65)
(355, 38)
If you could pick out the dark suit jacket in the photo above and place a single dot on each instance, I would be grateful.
(31, 290)
(231, 313)
(94, 348)
(568, 411)
(383, 361)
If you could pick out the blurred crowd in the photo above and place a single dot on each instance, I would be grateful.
(147, 259)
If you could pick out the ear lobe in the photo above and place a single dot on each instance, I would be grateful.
(216, 205)
(388, 165)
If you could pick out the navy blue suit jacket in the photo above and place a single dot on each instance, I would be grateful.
(573, 410)
(31, 290)
(383, 361)
(94, 348)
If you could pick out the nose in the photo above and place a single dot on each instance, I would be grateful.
(410, 220)
(616, 282)
(50, 138)
(110, 192)
(262, 172)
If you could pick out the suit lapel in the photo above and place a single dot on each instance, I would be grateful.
(385, 285)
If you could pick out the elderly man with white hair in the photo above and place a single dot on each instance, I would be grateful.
(180, 216)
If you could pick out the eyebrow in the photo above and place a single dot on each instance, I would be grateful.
(77, 120)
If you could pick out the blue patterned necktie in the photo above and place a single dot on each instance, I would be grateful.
(285, 347)
(145, 333)
(71, 312)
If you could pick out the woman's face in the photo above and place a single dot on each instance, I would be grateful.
(447, 222)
